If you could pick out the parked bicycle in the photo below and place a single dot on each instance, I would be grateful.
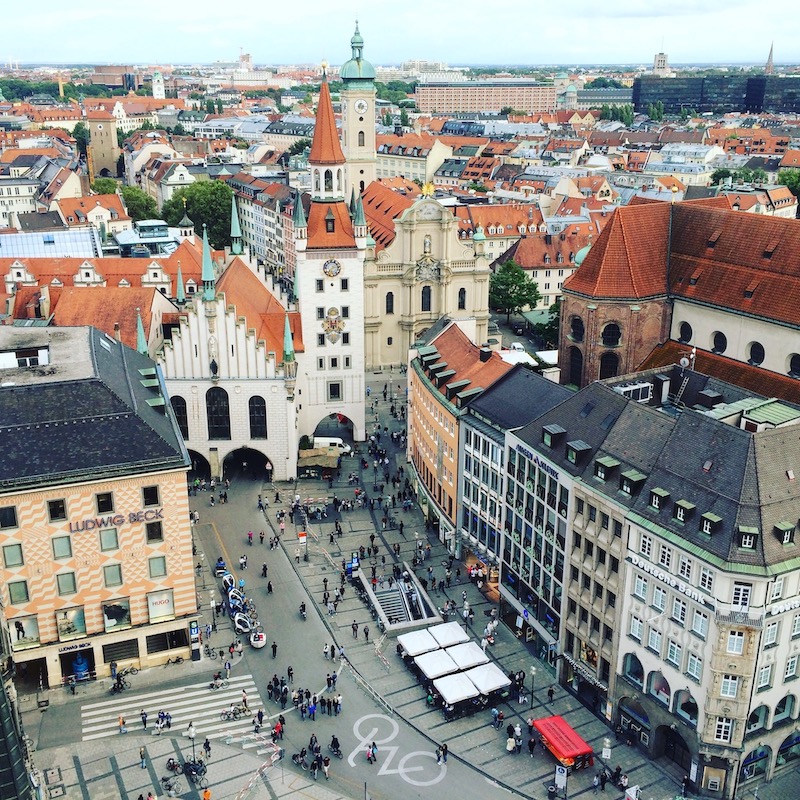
(176, 660)
(128, 671)
(209, 651)
(229, 714)
(171, 783)
(174, 766)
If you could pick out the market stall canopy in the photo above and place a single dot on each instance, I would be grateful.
(320, 457)
(435, 664)
(455, 688)
(561, 739)
(448, 634)
(467, 655)
(417, 642)
(488, 678)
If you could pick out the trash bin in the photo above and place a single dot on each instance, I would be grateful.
(551, 792)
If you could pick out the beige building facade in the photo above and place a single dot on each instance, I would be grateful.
(457, 96)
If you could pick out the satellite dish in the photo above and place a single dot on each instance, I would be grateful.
(684, 362)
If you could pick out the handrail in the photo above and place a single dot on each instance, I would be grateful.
(363, 684)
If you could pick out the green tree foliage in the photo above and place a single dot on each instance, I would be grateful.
(511, 290)
(139, 204)
(549, 330)
(387, 120)
(209, 106)
(81, 135)
(105, 186)
(656, 111)
(719, 175)
(394, 91)
(604, 83)
(687, 113)
(207, 202)
(623, 113)
(791, 179)
(298, 147)
(404, 119)
(219, 106)
(742, 175)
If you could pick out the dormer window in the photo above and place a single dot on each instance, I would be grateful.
(631, 481)
(330, 222)
(682, 510)
(658, 498)
(709, 523)
(785, 532)
(748, 537)
(603, 467)
(576, 449)
(551, 435)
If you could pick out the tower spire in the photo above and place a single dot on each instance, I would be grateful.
(236, 229)
(209, 281)
(141, 340)
(180, 292)
(769, 69)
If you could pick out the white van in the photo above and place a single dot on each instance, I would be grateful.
(516, 347)
(333, 441)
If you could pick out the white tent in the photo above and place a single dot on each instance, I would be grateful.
(417, 642)
(455, 688)
(436, 664)
(488, 678)
(448, 634)
(467, 655)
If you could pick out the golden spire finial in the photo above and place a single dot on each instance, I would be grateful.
(428, 189)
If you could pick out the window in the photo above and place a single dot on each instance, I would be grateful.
(654, 640)
(720, 343)
(736, 642)
(18, 592)
(257, 409)
(771, 634)
(678, 610)
(157, 566)
(181, 415)
(66, 583)
(579, 505)
(604, 521)
(12, 555)
(150, 496)
(665, 556)
(646, 545)
(361, 138)
(390, 302)
(777, 588)
(680, 513)
(345, 312)
(685, 567)
(640, 587)
(320, 312)
(700, 624)
(611, 335)
(345, 284)
(62, 547)
(729, 687)
(614, 564)
(747, 541)
(109, 539)
(154, 532)
(346, 338)
(694, 666)
(592, 514)
(334, 391)
(723, 730)
(576, 329)
(741, 596)
(426, 298)
(674, 653)
(791, 668)
(56, 510)
(218, 413)
(105, 502)
(655, 501)
(617, 528)
(757, 354)
(637, 627)
(320, 285)
(462, 299)
(112, 575)
(685, 333)
(764, 676)
(795, 625)
(706, 579)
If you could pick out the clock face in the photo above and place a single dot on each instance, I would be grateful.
(332, 268)
(360, 106)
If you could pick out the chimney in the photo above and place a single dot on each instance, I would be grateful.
(486, 354)
(117, 334)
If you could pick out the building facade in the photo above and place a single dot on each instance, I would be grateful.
(447, 96)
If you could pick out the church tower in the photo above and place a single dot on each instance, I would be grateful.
(329, 286)
(358, 116)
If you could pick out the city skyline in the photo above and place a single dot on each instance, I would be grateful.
(618, 32)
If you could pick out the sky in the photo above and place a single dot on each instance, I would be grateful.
(462, 32)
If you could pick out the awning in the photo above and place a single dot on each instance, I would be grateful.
(417, 642)
(448, 633)
(488, 678)
(467, 655)
(561, 739)
(435, 664)
(455, 688)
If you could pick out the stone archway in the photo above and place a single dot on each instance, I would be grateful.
(670, 744)
(575, 366)
(201, 468)
(247, 463)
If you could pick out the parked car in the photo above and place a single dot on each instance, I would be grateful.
(518, 329)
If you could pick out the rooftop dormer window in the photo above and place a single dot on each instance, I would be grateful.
(748, 537)
(709, 523)
(551, 435)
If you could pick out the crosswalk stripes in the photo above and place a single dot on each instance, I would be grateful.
(194, 703)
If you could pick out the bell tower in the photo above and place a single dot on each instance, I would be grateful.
(358, 116)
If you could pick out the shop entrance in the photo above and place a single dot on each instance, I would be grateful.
(31, 675)
(77, 664)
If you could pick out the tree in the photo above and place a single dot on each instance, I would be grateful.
(387, 120)
(604, 83)
(209, 106)
(179, 130)
(549, 330)
(791, 179)
(219, 105)
(207, 202)
(511, 290)
(105, 186)
(719, 175)
(139, 204)
(299, 147)
(81, 135)
(404, 120)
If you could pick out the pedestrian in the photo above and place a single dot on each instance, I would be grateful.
(264, 569)
(72, 683)
(369, 754)
(595, 783)
(684, 785)
(326, 765)
(438, 755)
(484, 643)
(550, 694)
(366, 632)
(143, 715)
(122, 728)
(261, 537)
(228, 669)
(511, 745)
(168, 720)
(325, 651)
(297, 555)
(269, 587)
(518, 744)
(207, 749)
(445, 751)
(312, 711)
(244, 698)
(532, 746)
(510, 729)
(290, 674)
(354, 626)
(603, 779)
(142, 758)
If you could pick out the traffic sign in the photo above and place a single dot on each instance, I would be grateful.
(561, 777)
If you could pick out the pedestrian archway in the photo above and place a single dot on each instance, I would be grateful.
(247, 463)
(337, 426)
(200, 468)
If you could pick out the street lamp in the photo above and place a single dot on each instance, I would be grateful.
(190, 732)
(533, 682)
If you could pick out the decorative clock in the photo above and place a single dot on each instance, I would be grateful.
(331, 267)
(360, 106)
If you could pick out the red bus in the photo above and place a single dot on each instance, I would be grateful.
(564, 743)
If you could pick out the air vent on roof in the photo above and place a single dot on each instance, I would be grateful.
(770, 249)
(712, 240)
(750, 290)
(695, 277)
(640, 392)
(707, 466)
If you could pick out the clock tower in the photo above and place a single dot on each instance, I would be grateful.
(329, 285)
(358, 116)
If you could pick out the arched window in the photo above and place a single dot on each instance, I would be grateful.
(258, 417)
(720, 343)
(181, 416)
(686, 706)
(658, 687)
(390, 302)
(756, 354)
(329, 181)
(609, 365)
(632, 669)
(784, 709)
(361, 138)
(794, 365)
(685, 333)
(316, 180)
(218, 413)
(576, 329)
(426, 298)
(611, 335)
(462, 299)
(575, 366)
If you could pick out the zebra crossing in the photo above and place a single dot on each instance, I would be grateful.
(194, 703)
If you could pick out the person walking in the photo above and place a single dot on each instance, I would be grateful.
(228, 669)
(290, 674)
(274, 649)
(264, 570)
(121, 722)
(532, 746)
(366, 633)
(603, 779)
(326, 765)
(325, 651)
(370, 755)
(595, 783)
(143, 715)
(684, 785)
(550, 694)
(354, 626)
(206, 793)
(511, 745)
(445, 751)
(207, 748)
(244, 699)
(142, 758)
(438, 755)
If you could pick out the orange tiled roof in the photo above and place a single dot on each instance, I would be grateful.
(342, 234)
(506, 219)
(382, 206)
(76, 206)
(530, 251)
(325, 148)
(791, 158)
(12, 153)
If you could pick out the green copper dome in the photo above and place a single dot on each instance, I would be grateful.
(357, 69)
(581, 255)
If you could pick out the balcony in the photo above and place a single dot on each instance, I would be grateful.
(743, 618)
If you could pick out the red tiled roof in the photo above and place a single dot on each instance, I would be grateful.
(70, 206)
(791, 158)
(529, 252)
(325, 148)
(342, 234)
(382, 207)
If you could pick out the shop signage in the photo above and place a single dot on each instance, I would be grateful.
(665, 577)
(545, 467)
(783, 607)
(525, 452)
(160, 605)
(115, 520)
(68, 648)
